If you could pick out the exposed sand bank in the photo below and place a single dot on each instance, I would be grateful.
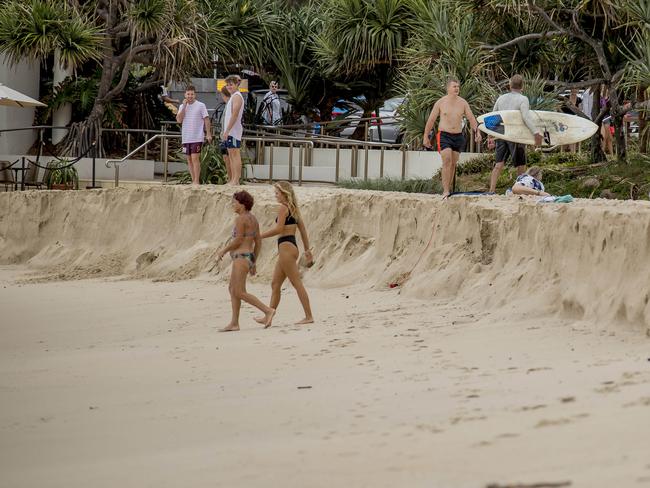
(588, 259)
(515, 352)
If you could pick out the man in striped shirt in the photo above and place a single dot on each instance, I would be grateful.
(193, 115)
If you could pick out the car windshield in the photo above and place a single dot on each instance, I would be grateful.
(392, 104)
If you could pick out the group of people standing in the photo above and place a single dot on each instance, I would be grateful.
(450, 139)
(193, 117)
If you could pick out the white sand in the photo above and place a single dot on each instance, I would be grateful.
(486, 366)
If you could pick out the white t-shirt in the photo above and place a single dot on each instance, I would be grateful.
(192, 130)
(237, 129)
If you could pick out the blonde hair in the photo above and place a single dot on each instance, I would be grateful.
(292, 202)
(535, 172)
(233, 79)
(516, 82)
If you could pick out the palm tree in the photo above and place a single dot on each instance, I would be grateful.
(169, 35)
(360, 42)
(442, 45)
(240, 30)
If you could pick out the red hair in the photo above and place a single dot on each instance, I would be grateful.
(245, 198)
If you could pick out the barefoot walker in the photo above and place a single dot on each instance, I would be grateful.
(286, 222)
(451, 108)
(244, 248)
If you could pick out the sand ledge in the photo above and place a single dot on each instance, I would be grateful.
(584, 260)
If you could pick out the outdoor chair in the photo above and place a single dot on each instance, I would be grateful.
(6, 175)
(31, 176)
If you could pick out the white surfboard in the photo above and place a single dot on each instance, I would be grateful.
(561, 128)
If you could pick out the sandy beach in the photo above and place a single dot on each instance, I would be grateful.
(515, 350)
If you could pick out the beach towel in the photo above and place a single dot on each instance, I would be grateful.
(560, 199)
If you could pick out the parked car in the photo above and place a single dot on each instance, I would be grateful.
(348, 113)
(387, 127)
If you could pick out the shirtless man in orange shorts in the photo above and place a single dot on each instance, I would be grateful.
(451, 108)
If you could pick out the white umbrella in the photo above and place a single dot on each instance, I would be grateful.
(13, 98)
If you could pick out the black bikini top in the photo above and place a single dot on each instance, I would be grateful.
(289, 220)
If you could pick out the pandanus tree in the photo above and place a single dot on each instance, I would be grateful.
(591, 40)
(360, 43)
(442, 45)
(171, 36)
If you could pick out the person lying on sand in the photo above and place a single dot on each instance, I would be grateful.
(286, 223)
(451, 108)
(244, 248)
(530, 183)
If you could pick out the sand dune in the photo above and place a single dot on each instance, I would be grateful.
(586, 260)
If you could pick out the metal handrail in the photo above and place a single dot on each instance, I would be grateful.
(116, 162)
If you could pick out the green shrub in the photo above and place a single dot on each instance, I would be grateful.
(479, 164)
(60, 173)
(213, 167)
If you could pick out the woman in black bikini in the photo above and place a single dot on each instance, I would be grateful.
(244, 247)
(287, 221)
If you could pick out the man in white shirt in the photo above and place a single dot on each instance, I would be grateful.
(271, 106)
(193, 115)
(233, 129)
(506, 150)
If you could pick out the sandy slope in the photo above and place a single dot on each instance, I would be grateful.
(588, 259)
(515, 350)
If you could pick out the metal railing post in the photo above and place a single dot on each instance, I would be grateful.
(117, 175)
(338, 163)
(403, 162)
(22, 174)
(300, 164)
(291, 161)
(128, 142)
(165, 142)
(365, 164)
(381, 163)
(146, 147)
(271, 163)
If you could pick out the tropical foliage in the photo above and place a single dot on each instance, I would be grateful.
(330, 50)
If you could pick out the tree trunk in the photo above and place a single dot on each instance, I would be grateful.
(83, 134)
(361, 132)
(597, 153)
(644, 130)
(617, 122)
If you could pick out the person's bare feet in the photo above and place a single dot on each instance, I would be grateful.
(260, 320)
(230, 328)
(306, 320)
(268, 318)
(445, 196)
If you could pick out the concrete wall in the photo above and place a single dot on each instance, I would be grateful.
(133, 170)
(25, 78)
(417, 164)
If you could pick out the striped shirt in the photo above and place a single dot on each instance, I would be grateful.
(192, 130)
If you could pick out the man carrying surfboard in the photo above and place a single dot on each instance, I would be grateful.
(506, 150)
(450, 139)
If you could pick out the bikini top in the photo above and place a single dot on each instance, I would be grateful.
(289, 220)
(253, 233)
(245, 234)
